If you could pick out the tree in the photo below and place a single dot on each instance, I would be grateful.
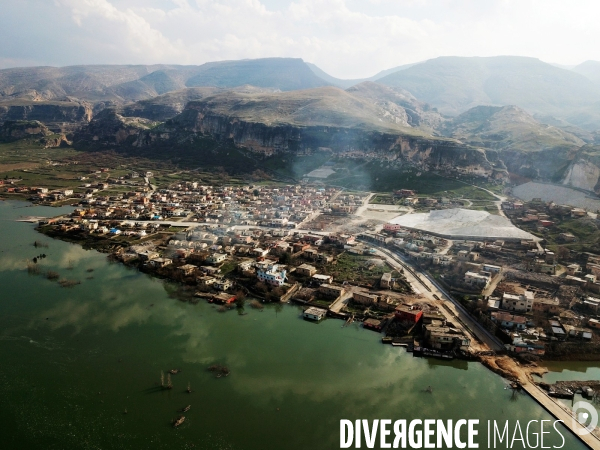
(563, 253)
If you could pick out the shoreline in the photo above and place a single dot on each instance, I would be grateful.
(507, 367)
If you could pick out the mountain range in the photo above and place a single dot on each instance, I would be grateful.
(503, 105)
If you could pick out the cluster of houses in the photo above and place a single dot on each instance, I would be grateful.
(282, 207)
(89, 191)
(515, 314)
(542, 215)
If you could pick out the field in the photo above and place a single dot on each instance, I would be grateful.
(586, 230)
(62, 167)
(361, 269)
(376, 176)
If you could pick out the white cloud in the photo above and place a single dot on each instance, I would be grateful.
(348, 38)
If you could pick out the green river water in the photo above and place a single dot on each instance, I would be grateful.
(72, 360)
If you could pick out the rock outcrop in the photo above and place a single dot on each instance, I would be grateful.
(57, 116)
(13, 130)
(110, 128)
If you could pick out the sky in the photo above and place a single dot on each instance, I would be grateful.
(346, 38)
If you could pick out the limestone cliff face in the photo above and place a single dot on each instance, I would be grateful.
(57, 116)
(583, 171)
(110, 128)
(275, 138)
(12, 130)
(583, 174)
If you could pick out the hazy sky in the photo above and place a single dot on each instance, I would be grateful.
(346, 38)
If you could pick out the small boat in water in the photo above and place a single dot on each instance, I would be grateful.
(186, 409)
(174, 371)
(177, 422)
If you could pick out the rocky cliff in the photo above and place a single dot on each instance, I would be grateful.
(57, 116)
(109, 128)
(12, 130)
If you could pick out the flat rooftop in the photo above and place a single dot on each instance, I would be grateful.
(463, 224)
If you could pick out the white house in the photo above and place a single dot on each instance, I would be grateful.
(479, 279)
(272, 275)
(520, 303)
(314, 313)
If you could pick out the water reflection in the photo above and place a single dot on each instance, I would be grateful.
(287, 375)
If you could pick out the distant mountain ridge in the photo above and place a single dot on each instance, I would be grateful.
(346, 83)
(499, 113)
(123, 84)
(456, 84)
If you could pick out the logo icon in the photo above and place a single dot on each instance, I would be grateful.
(586, 416)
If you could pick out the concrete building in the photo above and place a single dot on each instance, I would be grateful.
(329, 290)
(272, 275)
(364, 298)
(546, 306)
(315, 314)
(306, 270)
(222, 284)
(159, 262)
(519, 303)
(187, 269)
(322, 279)
(147, 255)
(408, 314)
(506, 320)
(386, 281)
(481, 279)
(491, 268)
(216, 258)
(373, 324)
(444, 338)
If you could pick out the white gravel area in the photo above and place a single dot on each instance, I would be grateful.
(463, 224)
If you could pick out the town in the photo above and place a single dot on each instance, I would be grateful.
(342, 256)
(509, 288)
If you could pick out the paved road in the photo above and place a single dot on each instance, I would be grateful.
(561, 412)
(498, 202)
(430, 289)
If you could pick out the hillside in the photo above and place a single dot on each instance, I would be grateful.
(399, 106)
(456, 84)
(168, 105)
(508, 127)
(57, 115)
(326, 106)
(590, 70)
(285, 74)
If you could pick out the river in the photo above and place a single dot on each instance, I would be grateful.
(81, 365)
